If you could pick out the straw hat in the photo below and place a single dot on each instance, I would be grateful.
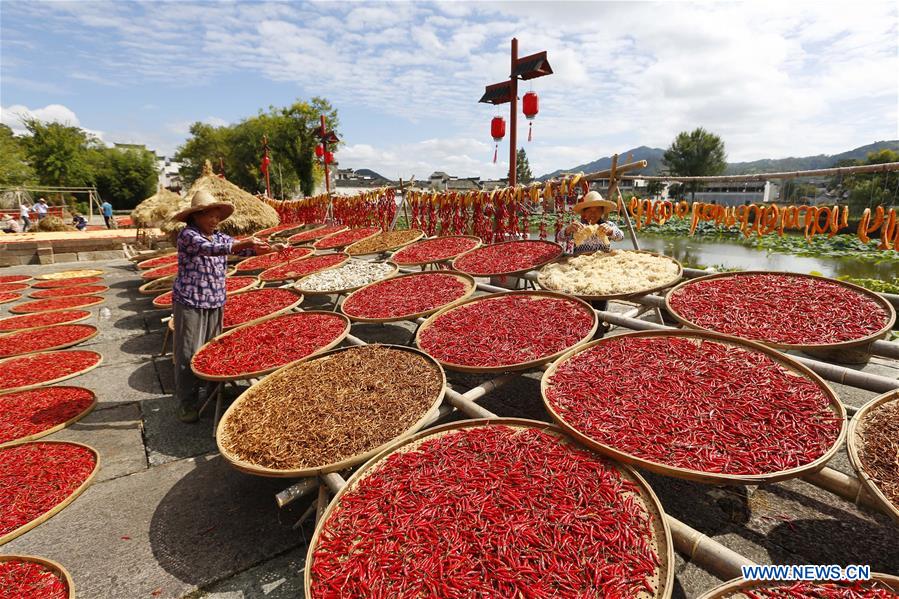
(594, 200)
(203, 200)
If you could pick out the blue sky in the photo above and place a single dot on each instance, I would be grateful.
(773, 79)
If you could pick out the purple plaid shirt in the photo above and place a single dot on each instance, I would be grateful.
(202, 265)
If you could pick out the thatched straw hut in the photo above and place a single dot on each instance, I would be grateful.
(250, 214)
(53, 223)
(158, 208)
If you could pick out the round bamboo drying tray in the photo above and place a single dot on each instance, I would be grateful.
(281, 236)
(883, 303)
(314, 238)
(588, 297)
(71, 274)
(449, 258)
(466, 279)
(94, 292)
(262, 275)
(52, 381)
(73, 321)
(258, 373)
(250, 468)
(62, 504)
(15, 278)
(248, 287)
(144, 264)
(699, 475)
(327, 238)
(734, 588)
(159, 272)
(13, 287)
(306, 292)
(14, 297)
(661, 542)
(279, 312)
(19, 309)
(508, 367)
(853, 447)
(37, 330)
(509, 273)
(57, 568)
(246, 265)
(157, 286)
(56, 427)
(349, 248)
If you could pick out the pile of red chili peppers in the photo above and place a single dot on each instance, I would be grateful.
(273, 259)
(269, 344)
(26, 342)
(61, 303)
(36, 477)
(47, 366)
(250, 305)
(505, 330)
(25, 413)
(41, 319)
(67, 282)
(69, 291)
(9, 296)
(160, 271)
(6, 287)
(506, 258)
(823, 590)
(779, 308)
(434, 250)
(700, 405)
(14, 278)
(296, 269)
(232, 284)
(404, 296)
(266, 233)
(157, 262)
(345, 238)
(312, 235)
(30, 580)
(489, 512)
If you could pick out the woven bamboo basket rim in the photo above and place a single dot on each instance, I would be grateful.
(248, 287)
(661, 532)
(62, 504)
(508, 273)
(309, 257)
(448, 258)
(51, 381)
(398, 246)
(58, 426)
(281, 236)
(56, 567)
(647, 290)
(258, 373)
(853, 448)
(468, 280)
(298, 284)
(251, 468)
(100, 289)
(241, 267)
(157, 286)
(23, 278)
(326, 238)
(149, 275)
(17, 297)
(142, 265)
(521, 365)
(796, 368)
(87, 314)
(734, 587)
(312, 239)
(882, 302)
(18, 309)
(71, 274)
(278, 312)
(95, 331)
(21, 287)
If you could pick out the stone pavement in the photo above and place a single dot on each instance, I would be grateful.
(166, 517)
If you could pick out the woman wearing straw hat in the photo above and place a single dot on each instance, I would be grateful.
(594, 233)
(199, 288)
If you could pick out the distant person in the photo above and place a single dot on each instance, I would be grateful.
(9, 225)
(594, 233)
(25, 215)
(41, 208)
(106, 208)
(79, 221)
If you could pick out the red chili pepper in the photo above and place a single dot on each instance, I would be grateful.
(25, 413)
(9, 296)
(69, 291)
(26, 579)
(507, 258)
(232, 284)
(305, 236)
(273, 259)
(157, 262)
(35, 340)
(38, 368)
(345, 238)
(159, 272)
(251, 305)
(41, 319)
(433, 250)
(296, 269)
(6, 287)
(46, 305)
(861, 589)
(14, 278)
(67, 282)
(402, 296)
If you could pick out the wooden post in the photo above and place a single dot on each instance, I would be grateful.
(513, 117)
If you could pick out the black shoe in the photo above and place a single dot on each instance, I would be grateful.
(188, 414)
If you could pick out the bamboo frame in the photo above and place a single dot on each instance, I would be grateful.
(241, 267)
(36, 330)
(87, 315)
(844, 170)
(258, 373)
(702, 476)
(883, 303)
(853, 447)
(447, 259)
(250, 468)
(346, 245)
(313, 239)
(393, 248)
(57, 568)
(298, 284)
(654, 289)
(142, 264)
(19, 309)
(661, 540)
(59, 506)
(341, 263)
(468, 280)
(55, 427)
(511, 272)
(71, 274)
(51, 381)
(734, 588)
(508, 367)
(103, 289)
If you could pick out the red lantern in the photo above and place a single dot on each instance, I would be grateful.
(329, 157)
(498, 132)
(319, 150)
(530, 104)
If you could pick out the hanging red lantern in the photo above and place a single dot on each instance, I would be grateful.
(329, 158)
(498, 132)
(319, 150)
(530, 104)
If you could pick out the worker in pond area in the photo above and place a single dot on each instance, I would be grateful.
(199, 288)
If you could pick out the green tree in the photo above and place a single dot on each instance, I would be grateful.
(124, 178)
(696, 153)
(523, 172)
(59, 153)
(868, 190)
(14, 167)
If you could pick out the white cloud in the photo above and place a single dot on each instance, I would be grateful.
(462, 157)
(52, 113)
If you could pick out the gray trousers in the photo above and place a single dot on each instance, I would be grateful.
(193, 328)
